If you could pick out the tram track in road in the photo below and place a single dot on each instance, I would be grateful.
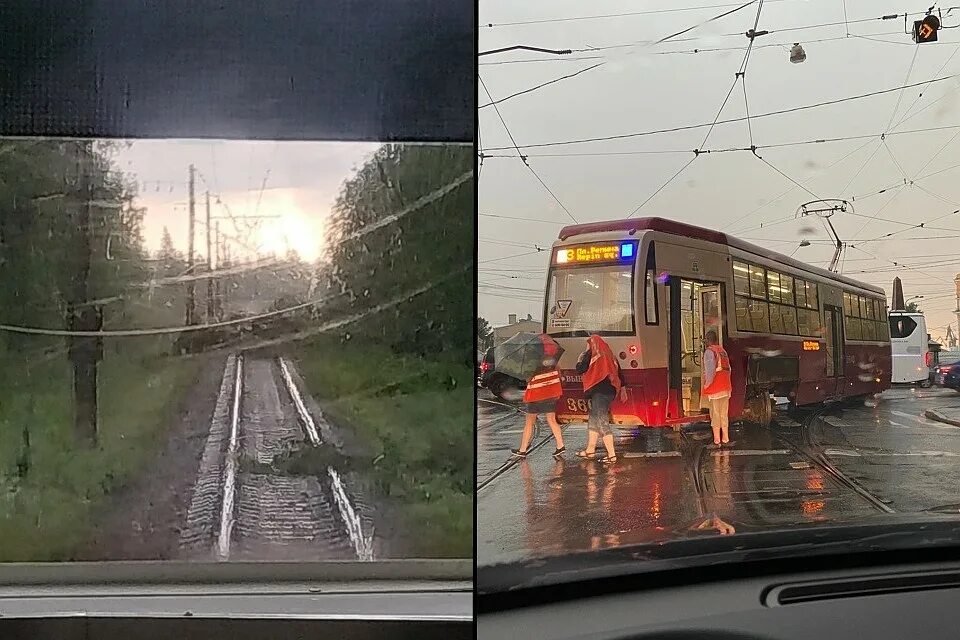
(812, 451)
(244, 509)
(513, 461)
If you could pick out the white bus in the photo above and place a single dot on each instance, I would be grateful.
(909, 349)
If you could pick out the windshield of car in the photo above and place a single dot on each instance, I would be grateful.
(230, 350)
(787, 206)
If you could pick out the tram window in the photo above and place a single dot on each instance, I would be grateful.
(741, 278)
(789, 320)
(812, 298)
(783, 319)
(773, 287)
(863, 306)
(813, 320)
(776, 319)
(853, 328)
(650, 297)
(877, 310)
(786, 288)
(743, 314)
(801, 293)
(803, 323)
(846, 305)
(759, 316)
(758, 282)
(868, 329)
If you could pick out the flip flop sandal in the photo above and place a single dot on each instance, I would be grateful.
(559, 452)
(586, 456)
(608, 460)
(519, 454)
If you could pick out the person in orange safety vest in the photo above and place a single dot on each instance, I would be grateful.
(543, 391)
(717, 387)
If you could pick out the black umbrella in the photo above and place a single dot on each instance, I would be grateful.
(526, 354)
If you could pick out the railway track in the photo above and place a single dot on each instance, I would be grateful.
(241, 508)
(808, 448)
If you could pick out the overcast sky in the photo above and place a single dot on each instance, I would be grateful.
(302, 183)
(644, 87)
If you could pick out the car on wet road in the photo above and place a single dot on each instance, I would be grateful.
(948, 375)
(499, 384)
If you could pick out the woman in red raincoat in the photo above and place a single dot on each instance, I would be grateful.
(602, 382)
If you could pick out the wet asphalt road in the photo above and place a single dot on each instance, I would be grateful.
(839, 464)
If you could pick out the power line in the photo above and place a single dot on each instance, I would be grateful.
(708, 21)
(613, 15)
(913, 61)
(738, 76)
(920, 95)
(493, 215)
(516, 255)
(519, 153)
(768, 114)
(540, 86)
(694, 51)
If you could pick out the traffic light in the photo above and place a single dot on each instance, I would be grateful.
(926, 30)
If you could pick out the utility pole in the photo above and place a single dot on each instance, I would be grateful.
(217, 289)
(191, 287)
(210, 311)
(84, 351)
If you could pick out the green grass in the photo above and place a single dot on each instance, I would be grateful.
(46, 513)
(415, 419)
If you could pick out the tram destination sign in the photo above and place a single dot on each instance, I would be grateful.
(602, 253)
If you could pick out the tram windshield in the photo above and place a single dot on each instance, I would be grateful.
(591, 300)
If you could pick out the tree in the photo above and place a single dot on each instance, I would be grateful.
(912, 307)
(70, 235)
(484, 335)
(384, 247)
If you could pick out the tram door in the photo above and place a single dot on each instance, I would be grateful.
(833, 337)
(700, 310)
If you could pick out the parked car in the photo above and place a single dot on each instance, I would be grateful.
(948, 375)
(501, 385)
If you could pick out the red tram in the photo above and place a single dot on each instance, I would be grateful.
(652, 287)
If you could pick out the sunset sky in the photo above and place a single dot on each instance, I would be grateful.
(302, 183)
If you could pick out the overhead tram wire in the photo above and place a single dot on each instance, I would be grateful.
(869, 137)
(883, 137)
(490, 25)
(767, 114)
(695, 51)
(923, 90)
(673, 37)
(541, 85)
(738, 76)
(520, 153)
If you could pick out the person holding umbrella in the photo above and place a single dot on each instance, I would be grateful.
(533, 358)
(602, 382)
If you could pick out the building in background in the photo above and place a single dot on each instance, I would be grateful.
(514, 326)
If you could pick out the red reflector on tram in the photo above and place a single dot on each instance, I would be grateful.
(633, 349)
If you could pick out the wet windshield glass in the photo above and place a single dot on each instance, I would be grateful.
(583, 301)
(783, 346)
(228, 350)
